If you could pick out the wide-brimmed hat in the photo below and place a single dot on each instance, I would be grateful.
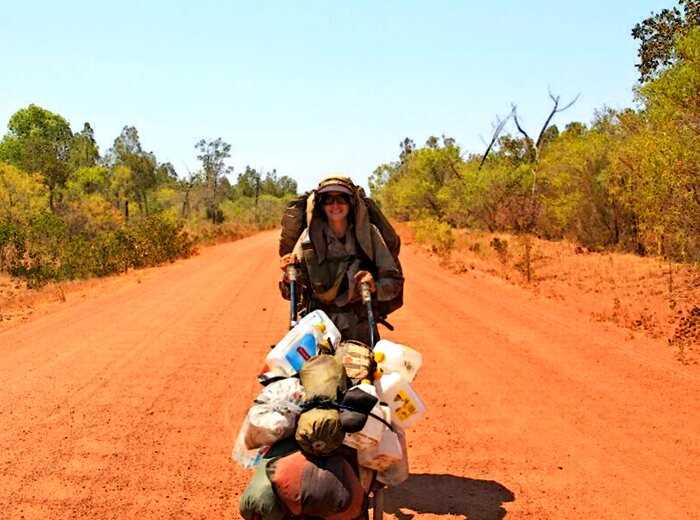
(339, 184)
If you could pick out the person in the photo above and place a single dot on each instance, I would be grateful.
(337, 252)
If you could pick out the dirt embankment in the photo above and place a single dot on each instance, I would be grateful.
(124, 403)
(647, 296)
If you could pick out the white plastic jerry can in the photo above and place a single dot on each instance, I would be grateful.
(384, 455)
(330, 332)
(406, 407)
(371, 434)
(393, 357)
(302, 343)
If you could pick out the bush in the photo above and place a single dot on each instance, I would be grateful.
(49, 251)
(436, 235)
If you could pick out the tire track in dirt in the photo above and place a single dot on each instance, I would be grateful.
(126, 404)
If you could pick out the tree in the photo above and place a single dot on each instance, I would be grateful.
(39, 141)
(407, 148)
(658, 33)
(127, 151)
(287, 186)
(213, 155)
(84, 152)
(247, 183)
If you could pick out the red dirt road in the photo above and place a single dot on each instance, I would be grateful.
(125, 404)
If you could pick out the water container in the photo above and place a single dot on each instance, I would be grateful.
(384, 455)
(329, 331)
(314, 331)
(371, 434)
(406, 407)
(392, 357)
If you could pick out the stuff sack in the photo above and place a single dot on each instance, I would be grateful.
(356, 404)
(318, 487)
(356, 357)
(319, 431)
(258, 501)
(323, 377)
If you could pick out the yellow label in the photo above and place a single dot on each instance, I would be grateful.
(407, 408)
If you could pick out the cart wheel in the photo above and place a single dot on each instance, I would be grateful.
(378, 504)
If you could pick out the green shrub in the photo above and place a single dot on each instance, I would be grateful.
(436, 235)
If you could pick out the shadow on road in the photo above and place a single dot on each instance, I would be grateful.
(447, 494)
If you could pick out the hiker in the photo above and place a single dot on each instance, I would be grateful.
(339, 250)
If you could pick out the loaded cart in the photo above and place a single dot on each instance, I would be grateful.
(325, 435)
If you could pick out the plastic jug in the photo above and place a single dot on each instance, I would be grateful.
(406, 407)
(371, 434)
(302, 343)
(384, 455)
(330, 332)
(392, 357)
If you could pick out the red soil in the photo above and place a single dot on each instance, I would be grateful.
(124, 403)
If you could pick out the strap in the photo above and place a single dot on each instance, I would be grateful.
(324, 403)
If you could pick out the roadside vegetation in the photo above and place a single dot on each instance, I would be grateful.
(68, 211)
(627, 181)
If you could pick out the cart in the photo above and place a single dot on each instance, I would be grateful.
(375, 498)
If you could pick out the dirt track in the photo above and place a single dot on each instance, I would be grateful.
(125, 405)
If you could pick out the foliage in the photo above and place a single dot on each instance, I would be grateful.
(630, 180)
(435, 234)
(658, 33)
(39, 141)
(213, 155)
(66, 212)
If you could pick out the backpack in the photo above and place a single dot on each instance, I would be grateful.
(295, 218)
(298, 213)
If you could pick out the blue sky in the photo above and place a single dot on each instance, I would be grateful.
(313, 87)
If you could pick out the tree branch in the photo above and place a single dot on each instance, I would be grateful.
(555, 110)
(500, 124)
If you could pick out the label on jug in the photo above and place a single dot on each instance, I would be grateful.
(407, 408)
(305, 350)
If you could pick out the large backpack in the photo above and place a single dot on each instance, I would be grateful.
(295, 219)
(299, 211)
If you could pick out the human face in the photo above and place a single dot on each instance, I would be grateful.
(336, 206)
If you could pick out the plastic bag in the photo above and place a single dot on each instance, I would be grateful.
(396, 473)
(266, 426)
(384, 455)
(284, 395)
(272, 419)
(245, 456)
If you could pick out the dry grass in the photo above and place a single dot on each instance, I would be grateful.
(649, 295)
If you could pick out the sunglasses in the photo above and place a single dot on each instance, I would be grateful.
(335, 199)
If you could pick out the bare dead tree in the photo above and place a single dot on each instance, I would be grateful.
(556, 109)
(498, 128)
(535, 149)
